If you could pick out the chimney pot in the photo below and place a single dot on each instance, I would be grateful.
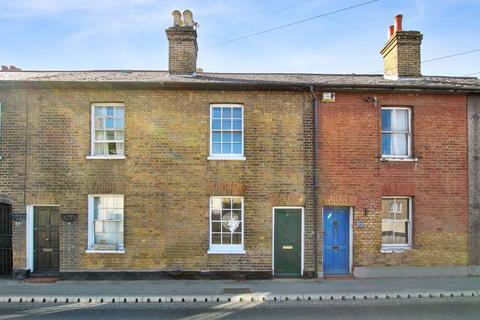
(177, 18)
(398, 23)
(188, 18)
(390, 31)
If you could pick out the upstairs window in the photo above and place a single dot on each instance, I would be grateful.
(396, 132)
(108, 130)
(226, 132)
(396, 222)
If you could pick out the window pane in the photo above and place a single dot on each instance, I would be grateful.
(387, 212)
(109, 111)
(99, 135)
(109, 123)
(237, 124)
(227, 124)
(237, 137)
(217, 113)
(237, 203)
(98, 111)
(226, 238)
(400, 144)
(226, 203)
(119, 123)
(401, 120)
(216, 238)
(227, 113)
(237, 215)
(237, 148)
(216, 207)
(386, 143)
(98, 123)
(112, 148)
(216, 226)
(401, 209)
(120, 112)
(237, 113)
(387, 231)
(226, 137)
(226, 148)
(217, 148)
(110, 135)
(120, 150)
(237, 238)
(216, 125)
(119, 135)
(100, 149)
(216, 137)
(386, 119)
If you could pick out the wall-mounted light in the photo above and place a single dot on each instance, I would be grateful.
(328, 96)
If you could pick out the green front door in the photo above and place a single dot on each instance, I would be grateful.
(287, 242)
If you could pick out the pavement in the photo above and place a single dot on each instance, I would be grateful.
(13, 291)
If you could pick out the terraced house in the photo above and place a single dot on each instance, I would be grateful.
(191, 173)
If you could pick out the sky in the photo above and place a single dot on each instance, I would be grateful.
(130, 34)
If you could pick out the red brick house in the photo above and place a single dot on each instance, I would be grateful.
(191, 173)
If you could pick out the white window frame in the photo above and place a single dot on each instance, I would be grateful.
(225, 248)
(92, 131)
(392, 247)
(408, 156)
(226, 156)
(90, 227)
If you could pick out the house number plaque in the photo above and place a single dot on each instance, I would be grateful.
(360, 223)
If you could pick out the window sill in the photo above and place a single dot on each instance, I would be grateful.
(217, 251)
(394, 249)
(103, 251)
(105, 157)
(226, 158)
(399, 159)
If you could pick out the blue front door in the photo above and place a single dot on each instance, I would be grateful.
(336, 241)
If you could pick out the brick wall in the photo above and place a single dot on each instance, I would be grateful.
(166, 178)
(350, 174)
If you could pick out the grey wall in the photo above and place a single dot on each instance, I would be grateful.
(474, 176)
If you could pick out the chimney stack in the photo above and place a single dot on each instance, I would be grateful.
(401, 53)
(182, 44)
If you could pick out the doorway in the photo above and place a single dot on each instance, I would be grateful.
(288, 241)
(46, 239)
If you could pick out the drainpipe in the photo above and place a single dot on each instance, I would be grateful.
(315, 179)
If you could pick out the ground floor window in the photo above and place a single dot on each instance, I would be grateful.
(105, 222)
(396, 222)
(226, 225)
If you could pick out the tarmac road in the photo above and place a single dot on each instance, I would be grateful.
(436, 308)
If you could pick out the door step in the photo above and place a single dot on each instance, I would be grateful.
(41, 280)
(339, 277)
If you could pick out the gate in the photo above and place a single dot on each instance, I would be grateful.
(5, 240)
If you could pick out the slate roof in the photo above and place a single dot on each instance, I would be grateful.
(214, 80)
